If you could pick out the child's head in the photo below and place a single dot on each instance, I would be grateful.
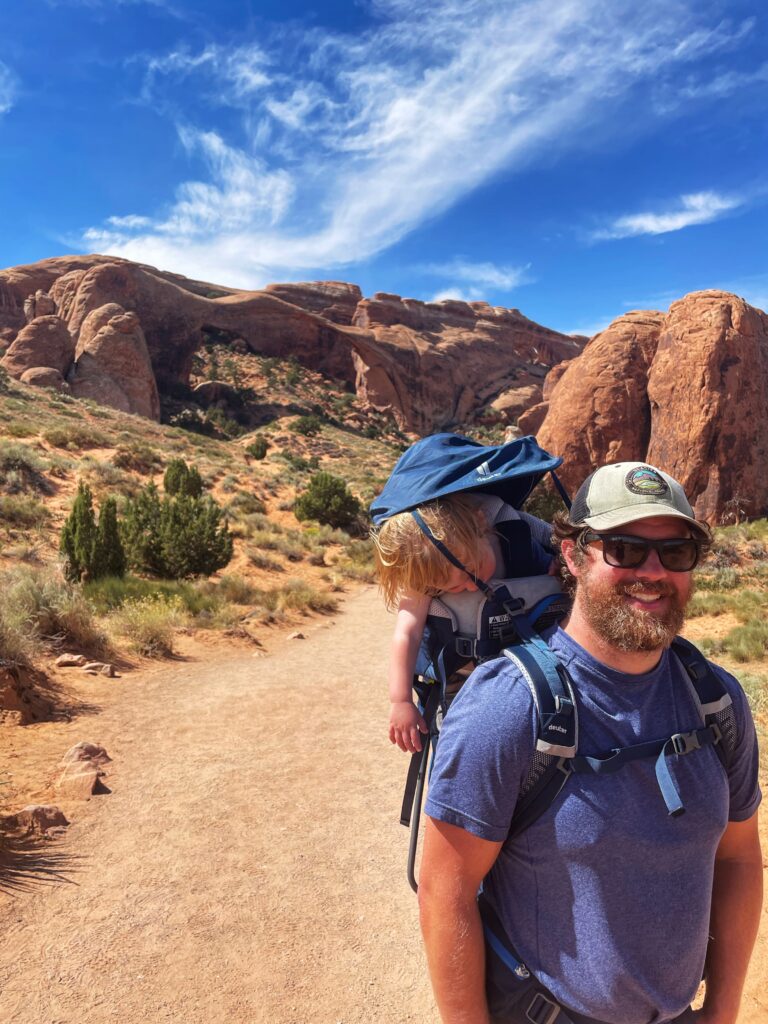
(408, 561)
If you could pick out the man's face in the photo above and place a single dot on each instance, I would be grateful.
(639, 609)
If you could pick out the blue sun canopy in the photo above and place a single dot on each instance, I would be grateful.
(449, 463)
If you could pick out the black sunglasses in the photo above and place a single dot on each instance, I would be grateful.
(679, 554)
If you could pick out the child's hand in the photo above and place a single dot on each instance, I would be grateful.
(406, 726)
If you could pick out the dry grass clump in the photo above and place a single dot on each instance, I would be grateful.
(149, 623)
(74, 437)
(22, 511)
(41, 609)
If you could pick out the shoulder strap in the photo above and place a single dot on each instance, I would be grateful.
(713, 697)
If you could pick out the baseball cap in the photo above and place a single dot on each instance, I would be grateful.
(624, 492)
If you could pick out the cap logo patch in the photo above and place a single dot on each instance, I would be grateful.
(646, 481)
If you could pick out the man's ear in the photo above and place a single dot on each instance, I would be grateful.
(568, 549)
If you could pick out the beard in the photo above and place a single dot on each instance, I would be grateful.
(629, 628)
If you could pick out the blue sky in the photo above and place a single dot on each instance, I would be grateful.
(571, 158)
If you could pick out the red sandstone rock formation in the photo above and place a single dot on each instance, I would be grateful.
(112, 363)
(431, 364)
(686, 391)
(440, 362)
(43, 342)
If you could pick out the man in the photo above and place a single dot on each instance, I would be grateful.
(607, 899)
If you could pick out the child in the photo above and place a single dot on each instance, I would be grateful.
(489, 537)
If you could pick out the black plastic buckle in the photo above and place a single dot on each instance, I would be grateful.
(685, 742)
(542, 1010)
(465, 647)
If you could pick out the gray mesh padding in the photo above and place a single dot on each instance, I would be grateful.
(726, 722)
(538, 766)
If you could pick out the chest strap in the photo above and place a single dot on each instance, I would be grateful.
(678, 745)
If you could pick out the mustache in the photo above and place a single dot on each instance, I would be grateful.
(638, 587)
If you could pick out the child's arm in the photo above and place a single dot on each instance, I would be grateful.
(405, 722)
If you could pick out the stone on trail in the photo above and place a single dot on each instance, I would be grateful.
(99, 668)
(78, 780)
(296, 636)
(38, 819)
(70, 660)
(85, 751)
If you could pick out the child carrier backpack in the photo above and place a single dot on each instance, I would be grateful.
(467, 628)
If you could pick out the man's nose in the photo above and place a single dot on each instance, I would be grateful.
(651, 569)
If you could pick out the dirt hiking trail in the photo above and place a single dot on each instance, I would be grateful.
(247, 865)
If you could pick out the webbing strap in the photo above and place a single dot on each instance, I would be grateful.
(679, 744)
(560, 489)
(447, 553)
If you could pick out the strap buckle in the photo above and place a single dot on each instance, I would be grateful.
(465, 647)
(542, 1010)
(685, 742)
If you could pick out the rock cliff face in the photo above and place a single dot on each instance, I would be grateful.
(432, 365)
(439, 362)
(686, 391)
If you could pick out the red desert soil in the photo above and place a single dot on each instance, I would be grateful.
(247, 865)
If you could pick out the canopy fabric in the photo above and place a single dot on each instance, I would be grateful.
(443, 464)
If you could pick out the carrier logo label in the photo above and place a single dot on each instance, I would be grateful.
(647, 481)
(496, 625)
(556, 728)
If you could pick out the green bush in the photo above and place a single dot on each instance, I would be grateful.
(180, 478)
(328, 500)
(178, 537)
(74, 437)
(307, 425)
(90, 551)
(257, 449)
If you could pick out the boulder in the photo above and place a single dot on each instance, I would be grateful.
(86, 752)
(43, 342)
(70, 660)
(708, 395)
(44, 377)
(598, 411)
(78, 781)
(686, 391)
(112, 364)
(37, 819)
(514, 402)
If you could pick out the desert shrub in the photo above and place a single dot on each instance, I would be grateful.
(259, 560)
(236, 589)
(22, 511)
(18, 428)
(722, 554)
(543, 502)
(748, 642)
(308, 426)
(246, 503)
(149, 623)
(74, 437)
(22, 469)
(42, 605)
(89, 550)
(107, 594)
(180, 478)
(257, 449)
(328, 500)
(726, 578)
(137, 457)
(178, 537)
(707, 603)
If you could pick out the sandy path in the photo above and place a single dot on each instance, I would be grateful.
(247, 865)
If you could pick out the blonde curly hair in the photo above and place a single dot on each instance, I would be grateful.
(408, 562)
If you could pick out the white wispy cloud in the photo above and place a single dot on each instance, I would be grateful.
(688, 210)
(487, 275)
(347, 143)
(7, 88)
(724, 84)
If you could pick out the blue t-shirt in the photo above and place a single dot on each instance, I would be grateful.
(605, 897)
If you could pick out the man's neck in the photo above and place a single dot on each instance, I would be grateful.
(631, 662)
